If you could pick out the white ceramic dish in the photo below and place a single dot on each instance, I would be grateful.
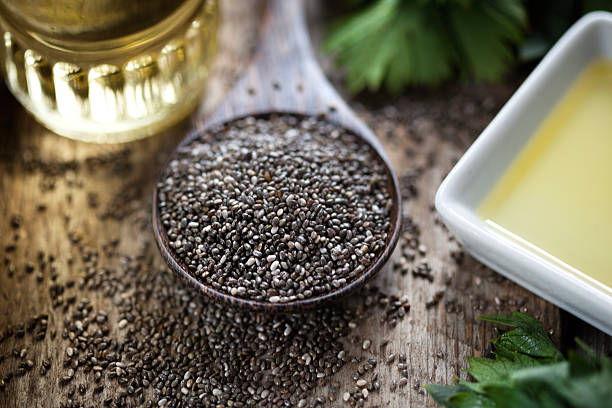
(487, 159)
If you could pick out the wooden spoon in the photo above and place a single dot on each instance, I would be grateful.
(284, 77)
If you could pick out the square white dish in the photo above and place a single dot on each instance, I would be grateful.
(489, 157)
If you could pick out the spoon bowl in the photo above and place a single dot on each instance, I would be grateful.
(284, 79)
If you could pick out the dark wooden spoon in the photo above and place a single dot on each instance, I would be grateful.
(284, 77)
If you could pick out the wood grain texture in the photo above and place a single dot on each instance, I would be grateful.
(103, 193)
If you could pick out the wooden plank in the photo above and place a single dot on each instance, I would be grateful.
(81, 184)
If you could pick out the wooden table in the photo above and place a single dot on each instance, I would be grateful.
(56, 187)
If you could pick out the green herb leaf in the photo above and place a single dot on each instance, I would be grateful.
(443, 393)
(496, 371)
(510, 397)
(590, 387)
(399, 43)
(529, 372)
(528, 337)
(390, 39)
(483, 34)
(470, 400)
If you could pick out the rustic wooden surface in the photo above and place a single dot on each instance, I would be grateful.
(104, 193)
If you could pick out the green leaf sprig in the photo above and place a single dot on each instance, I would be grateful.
(397, 43)
(529, 372)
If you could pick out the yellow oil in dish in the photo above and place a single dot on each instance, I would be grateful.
(556, 197)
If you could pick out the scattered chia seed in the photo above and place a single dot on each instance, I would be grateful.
(423, 270)
(191, 352)
(15, 221)
(435, 300)
(458, 256)
(453, 306)
(276, 209)
(408, 183)
(93, 200)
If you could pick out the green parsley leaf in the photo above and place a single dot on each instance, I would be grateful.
(528, 371)
(483, 33)
(469, 400)
(443, 393)
(527, 337)
(397, 43)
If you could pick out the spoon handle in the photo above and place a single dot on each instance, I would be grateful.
(284, 76)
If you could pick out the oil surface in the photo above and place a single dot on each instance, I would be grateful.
(556, 196)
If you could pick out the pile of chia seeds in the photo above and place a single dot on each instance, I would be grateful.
(195, 353)
(276, 209)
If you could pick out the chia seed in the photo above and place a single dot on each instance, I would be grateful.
(277, 209)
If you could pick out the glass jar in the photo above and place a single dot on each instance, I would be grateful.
(108, 70)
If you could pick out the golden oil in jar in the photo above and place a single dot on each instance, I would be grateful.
(108, 70)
